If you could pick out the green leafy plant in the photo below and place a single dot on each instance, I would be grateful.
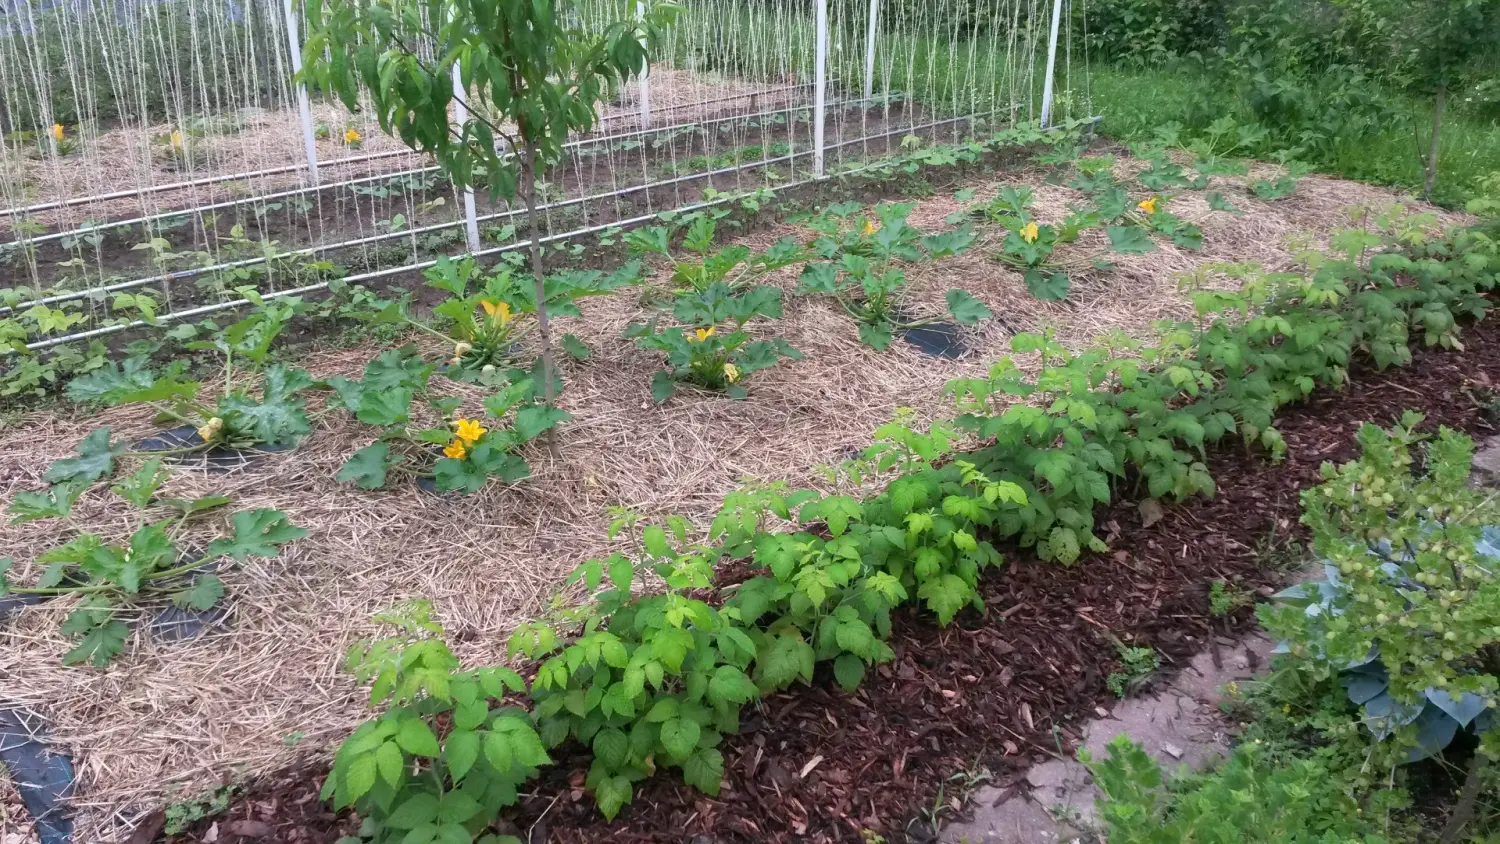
(446, 754)
(859, 268)
(182, 814)
(1250, 798)
(240, 416)
(1282, 184)
(472, 450)
(1409, 616)
(698, 353)
(735, 266)
(486, 316)
(1031, 247)
(1224, 599)
(153, 565)
(1136, 667)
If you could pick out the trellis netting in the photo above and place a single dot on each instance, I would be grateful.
(155, 158)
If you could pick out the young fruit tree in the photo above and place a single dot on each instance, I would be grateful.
(527, 75)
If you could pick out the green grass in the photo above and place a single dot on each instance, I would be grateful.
(1134, 102)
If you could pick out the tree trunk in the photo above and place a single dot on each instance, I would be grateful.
(1463, 811)
(1432, 146)
(549, 368)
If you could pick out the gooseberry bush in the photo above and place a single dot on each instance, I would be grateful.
(1409, 616)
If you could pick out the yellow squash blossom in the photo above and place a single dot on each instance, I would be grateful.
(1148, 205)
(869, 228)
(468, 430)
(57, 131)
(455, 450)
(731, 372)
(211, 430)
(1030, 233)
(705, 333)
(498, 311)
(351, 137)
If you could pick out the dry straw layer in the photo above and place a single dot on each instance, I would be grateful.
(181, 718)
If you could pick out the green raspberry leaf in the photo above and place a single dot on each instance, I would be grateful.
(849, 671)
(704, 770)
(680, 736)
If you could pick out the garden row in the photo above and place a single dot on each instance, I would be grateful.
(701, 325)
(654, 680)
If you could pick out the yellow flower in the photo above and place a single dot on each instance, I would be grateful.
(1030, 233)
(731, 372)
(455, 450)
(351, 137)
(869, 228)
(1148, 205)
(177, 139)
(705, 333)
(211, 430)
(57, 131)
(468, 430)
(498, 311)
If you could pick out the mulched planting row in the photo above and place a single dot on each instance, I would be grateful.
(998, 692)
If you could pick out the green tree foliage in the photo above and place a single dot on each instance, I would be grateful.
(528, 75)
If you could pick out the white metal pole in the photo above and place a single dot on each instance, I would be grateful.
(1051, 65)
(870, 49)
(820, 87)
(304, 110)
(461, 116)
(645, 81)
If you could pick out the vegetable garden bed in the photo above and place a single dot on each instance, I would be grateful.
(995, 693)
(266, 692)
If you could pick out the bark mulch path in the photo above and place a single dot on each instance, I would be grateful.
(999, 692)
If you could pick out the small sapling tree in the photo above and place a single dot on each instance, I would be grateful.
(528, 75)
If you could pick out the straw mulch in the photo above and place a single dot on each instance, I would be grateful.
(171, 719)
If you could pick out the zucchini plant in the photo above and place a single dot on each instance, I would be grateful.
(484, 317)
(458, 454)
(241, 414)
(153, 566)
(700, 354)
(860, 269)
(733, 266)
